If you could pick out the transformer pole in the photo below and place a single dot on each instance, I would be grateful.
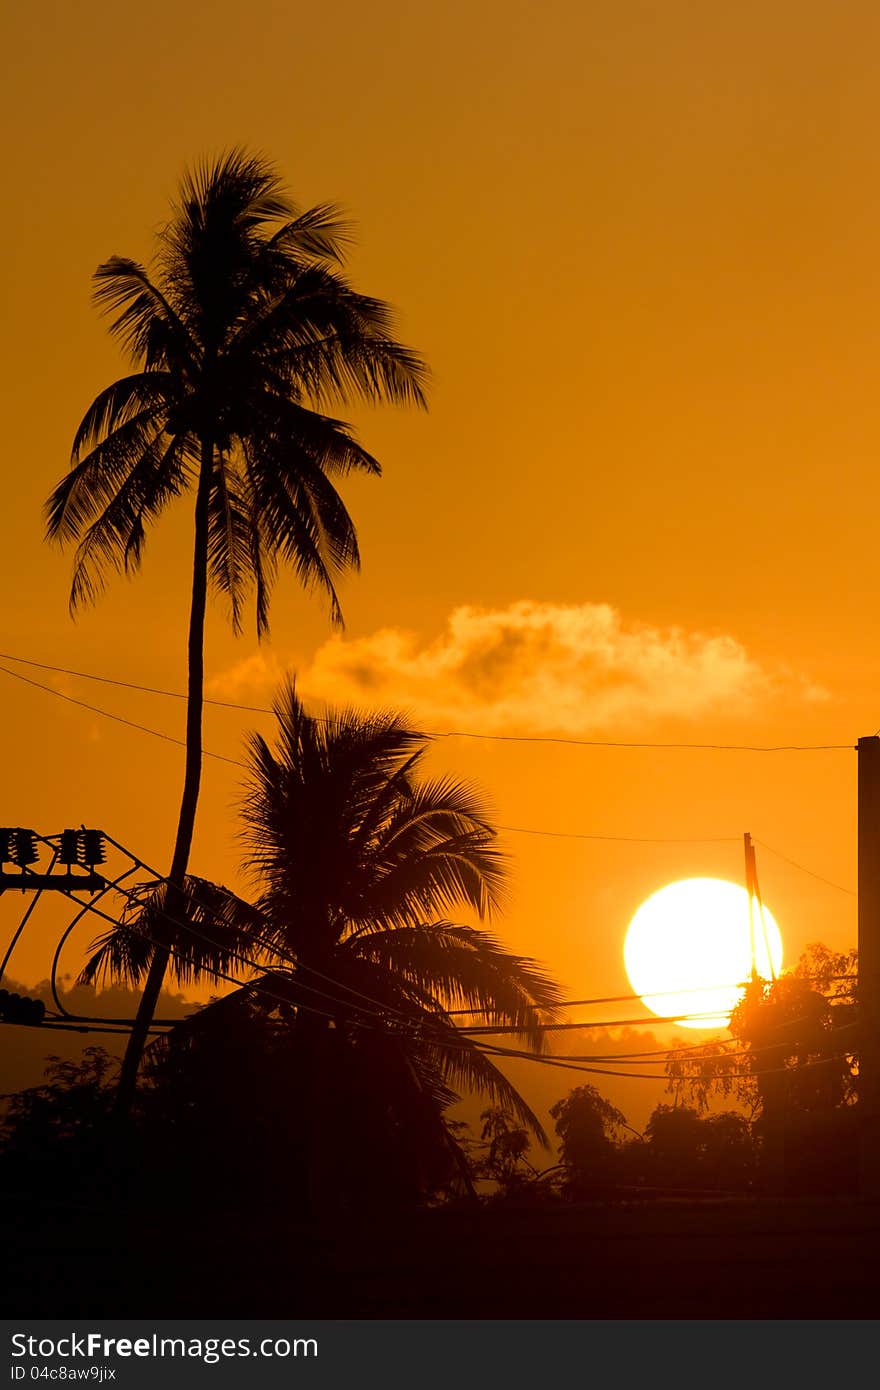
(869, 966)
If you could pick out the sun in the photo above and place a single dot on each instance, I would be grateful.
(691, 946)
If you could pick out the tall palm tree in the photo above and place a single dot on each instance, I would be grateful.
(241, 335)
(358, 861)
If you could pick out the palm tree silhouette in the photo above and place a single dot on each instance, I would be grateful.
(246, 330)
(357, 861)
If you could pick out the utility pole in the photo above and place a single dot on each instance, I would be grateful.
(751, 889)
(869, 966)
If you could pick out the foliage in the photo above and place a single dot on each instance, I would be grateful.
(356, 859)
(793, 1067)
(240, 335)
(55, 1138)
(794, 1044)
(72, 1100)
(590, 1130)
(682, 1149)
(508, 1144)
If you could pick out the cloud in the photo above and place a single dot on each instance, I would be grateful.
(533, 667)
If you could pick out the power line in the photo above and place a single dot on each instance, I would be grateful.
(90, 1025)
(850, 892)
(387, 1008)
(572, 1063)
(509, 829)
(246, 960)
(262, 941)
(454, 733)
(449, 1013)
(724, 1047)
(624, 839)
(662, 993)
(625, 998)
(216, 973)
(710, 1015)
(238, 762)
(547, 1061)
(619, 743)
(132, 685)
(94, 709)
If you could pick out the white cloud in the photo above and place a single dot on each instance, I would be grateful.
(532, 667)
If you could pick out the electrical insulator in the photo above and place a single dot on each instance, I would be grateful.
(69, 850)
(24, 848)
(5, 845)
(93, 848)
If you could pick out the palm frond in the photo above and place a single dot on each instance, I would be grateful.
(466, 1068)
(149, 393)
(91, 484)
(145, 320)
(329, 444)
(301, 517)
(436, 851)
(230, 538)
(461, 967)
(319, 334)
(321, 232)
(215, 937)
(115, 540)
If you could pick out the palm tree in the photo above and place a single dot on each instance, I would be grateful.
(242, 335)
(358, 862)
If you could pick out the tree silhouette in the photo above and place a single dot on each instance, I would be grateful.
(356, 860)
(242, 335)
(508, 1143)
(674, 1137)
(590, 1130)
(795, 1070)
(683, 1149)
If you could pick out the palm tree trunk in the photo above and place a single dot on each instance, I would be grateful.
(175, 903)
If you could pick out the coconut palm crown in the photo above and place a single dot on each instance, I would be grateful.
(242, 330)
(359, 863)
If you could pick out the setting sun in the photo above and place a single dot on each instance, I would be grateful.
(691, 946)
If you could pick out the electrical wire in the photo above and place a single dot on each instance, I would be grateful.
(622, 998)
(216, 973)
(737, 1047)
(385, 1009)
(238, 762)
(53, 973)
(600, 1023)
(291, 960)
(624, 839)
(131, 685)
(509, 829)
(271, 946)
(130, 723)
(572, 1063)
(550, 1061)
(619, 743)
(50, 1026)
(454, 733)
(851, 892)
(472, 1033)
(23, 923)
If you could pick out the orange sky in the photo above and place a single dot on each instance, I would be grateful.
(637, 243)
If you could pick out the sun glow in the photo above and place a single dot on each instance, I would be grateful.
(691, 946)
